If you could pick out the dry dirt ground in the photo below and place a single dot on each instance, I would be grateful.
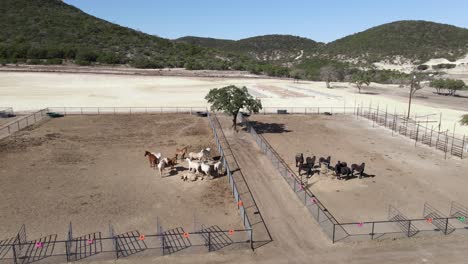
(404, 176)
(91, 170)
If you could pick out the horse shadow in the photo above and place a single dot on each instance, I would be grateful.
(270, 128)
(355, 176)
(175, 171)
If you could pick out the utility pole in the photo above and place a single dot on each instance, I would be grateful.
(413, 90)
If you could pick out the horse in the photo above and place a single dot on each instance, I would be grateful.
(153, 160)
(325, 160)
(171, 162)
(345, 170)
(308, 166)
(299, 159)
(358, 168)
(181, 152)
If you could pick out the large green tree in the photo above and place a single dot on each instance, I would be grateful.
(451, 85)
(360, 79)
(231, 99)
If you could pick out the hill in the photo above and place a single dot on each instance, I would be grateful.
(279, 49)
(416, 41)
(51, 32)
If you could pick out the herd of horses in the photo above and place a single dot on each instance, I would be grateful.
(198, 162)
(341, 169)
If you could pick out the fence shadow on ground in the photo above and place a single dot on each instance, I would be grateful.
(269, 128)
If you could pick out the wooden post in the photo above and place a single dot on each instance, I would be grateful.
(417, 134)
(453, 139)
(463, 146)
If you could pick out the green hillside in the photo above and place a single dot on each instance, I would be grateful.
(279, 49)
(50, 31)
(418, 41)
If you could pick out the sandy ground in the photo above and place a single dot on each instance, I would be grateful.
(26, 91)
(91, 170)
(404, 176)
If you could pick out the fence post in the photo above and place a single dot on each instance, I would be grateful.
(372, 234)
(333, 237)
(446, 226)
(409, 227)
(18, 125)
(417, 134)
(9, 130)
(251, 239)
(463, 146)
(14, 254)
(209, 241)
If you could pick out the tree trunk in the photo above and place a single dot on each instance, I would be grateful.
(328, 84)
(234, 123)
(234, 120)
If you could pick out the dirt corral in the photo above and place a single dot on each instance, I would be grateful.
(399, 174)
(91, 170)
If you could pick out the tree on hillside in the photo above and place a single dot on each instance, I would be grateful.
(361, 78)
(329, 74)
(231, 99)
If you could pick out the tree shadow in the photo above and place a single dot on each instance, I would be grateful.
(269, 128)
(370, 93)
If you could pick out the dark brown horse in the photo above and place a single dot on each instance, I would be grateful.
(325, 160)
(299, 159)
(153, 160)
(308, 166)
(358, 168)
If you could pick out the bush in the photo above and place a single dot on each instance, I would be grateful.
(86, 56)
(55, 61)
(423, 67)
(444, 66)
(82, 62)
(464, 120)
(109, 58)
(145, 63)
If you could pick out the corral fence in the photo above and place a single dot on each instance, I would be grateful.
(115, 245)
(308, 110)
(432, 221)
(124, 110)
(23, 122)
(224, 152)
(32, 118)
(419, 130)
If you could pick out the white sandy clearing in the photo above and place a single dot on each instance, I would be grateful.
(28, 91)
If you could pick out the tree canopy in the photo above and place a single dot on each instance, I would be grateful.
(451, 85)
(231, 99)
(464, 120)
(361, 78)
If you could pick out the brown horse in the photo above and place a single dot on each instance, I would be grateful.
(171, 162)
(181, 152)
(153, 160)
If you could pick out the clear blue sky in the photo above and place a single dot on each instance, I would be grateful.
(321, 20)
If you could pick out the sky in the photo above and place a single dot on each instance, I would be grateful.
(320, 20)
